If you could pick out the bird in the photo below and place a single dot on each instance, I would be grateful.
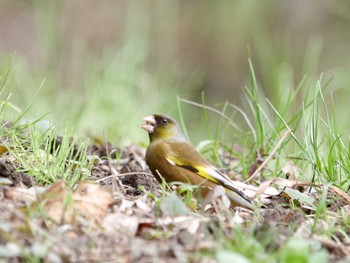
(170, 156)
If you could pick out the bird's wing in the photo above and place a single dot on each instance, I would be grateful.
(184, 155)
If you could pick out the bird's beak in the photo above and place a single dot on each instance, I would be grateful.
(150, 124)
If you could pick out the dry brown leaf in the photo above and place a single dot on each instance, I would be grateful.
(20, 194)
(262, 188)
(183, 222)
(88, 202)
(54, 200)
(293, 183)
(251, 190)
(267, 191)
(121, 224)
(340, 193)
(92, 200)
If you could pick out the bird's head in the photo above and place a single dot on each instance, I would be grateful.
(162, 127)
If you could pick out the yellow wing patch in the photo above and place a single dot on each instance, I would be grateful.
(202, 171)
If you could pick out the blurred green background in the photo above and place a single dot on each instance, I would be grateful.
(100, 66)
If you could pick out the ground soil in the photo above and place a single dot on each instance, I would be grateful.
(135, 228)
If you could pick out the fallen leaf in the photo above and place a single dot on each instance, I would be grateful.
(125, 205)
(121, 224)
(252, 191)
(237, 219)
(92, 200)
(173, 206)
(20, 194)
(143, 206)
(190, 223)
(53, 200)
(300, 197)
(219, 191)
(89, 201)
(340, 193)
(193, 226)
(264, 188)
(5, 181)
(266, 191)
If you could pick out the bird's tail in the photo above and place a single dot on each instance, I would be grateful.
(239, 200)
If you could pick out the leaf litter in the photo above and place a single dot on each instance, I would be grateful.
(121, 214)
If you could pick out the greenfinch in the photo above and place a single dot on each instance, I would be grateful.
(170, 156)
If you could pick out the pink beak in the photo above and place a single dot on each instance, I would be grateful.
(150, 124)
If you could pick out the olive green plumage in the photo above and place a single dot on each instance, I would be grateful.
(170, 156)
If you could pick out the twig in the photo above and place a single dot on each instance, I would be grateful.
(116, 183)
(115, 175)
(270, 156)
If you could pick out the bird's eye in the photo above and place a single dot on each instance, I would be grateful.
(164, 121)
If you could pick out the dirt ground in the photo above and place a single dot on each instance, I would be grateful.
(121, 219)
